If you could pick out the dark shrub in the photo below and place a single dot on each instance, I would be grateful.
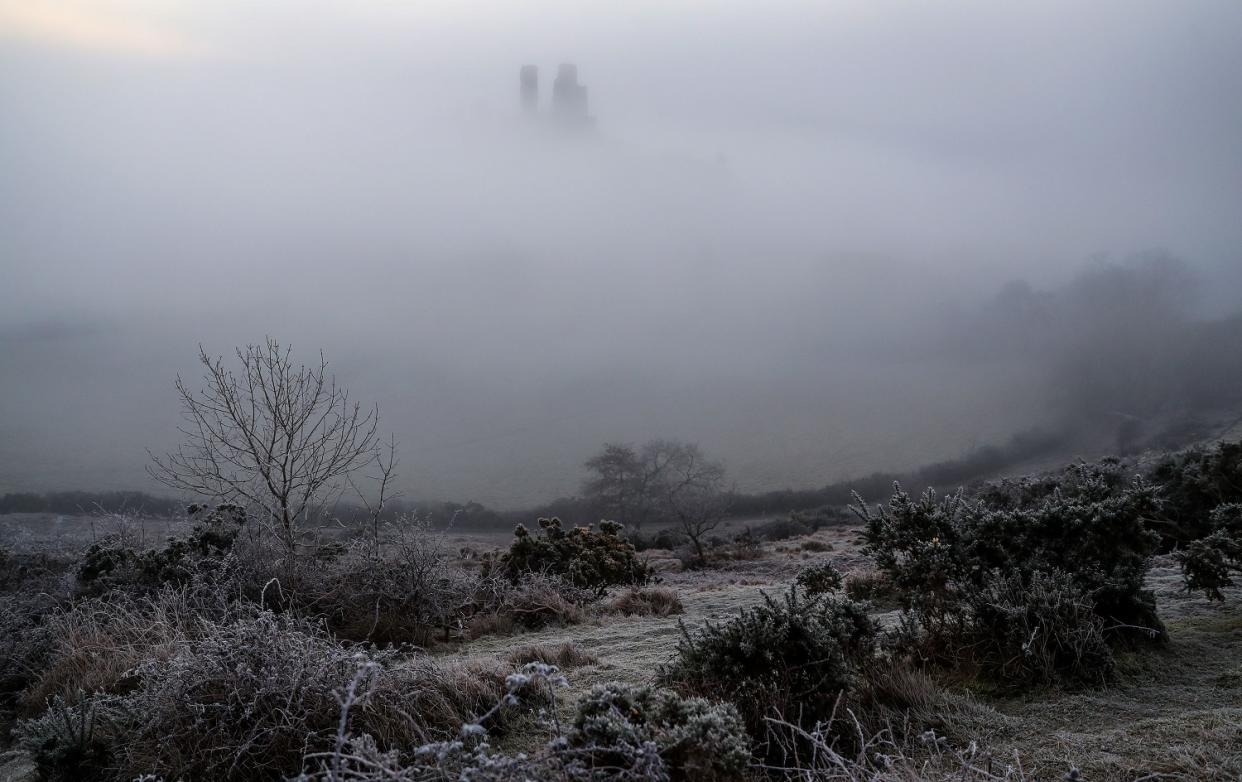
(1192, 484)
(695, 738)
(940, 552)
(872, 587)
(565, 654)
(782, 529)
(1210, 562)
(65, 744)
(111, 564)
(584, 557)
(1039, 630)
(819, 579)
(668, 538)
(793, 656)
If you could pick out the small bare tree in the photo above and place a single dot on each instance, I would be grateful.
(277, 436)
(690, 488)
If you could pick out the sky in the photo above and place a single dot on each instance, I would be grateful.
(775, 202)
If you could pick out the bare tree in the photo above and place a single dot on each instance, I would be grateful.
(385, 465)
(689, 487)
(276, 436)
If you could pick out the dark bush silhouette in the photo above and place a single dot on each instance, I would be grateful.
(582, 556)
(110, 564)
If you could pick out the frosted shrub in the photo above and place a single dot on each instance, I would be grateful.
(1039, 631)
(819, 579)
(584, 557)
(1211, 562)
(938, 552)
(113, 564)
(619, 734)
(619, 727)
(70, 742)
(794, 655)
(247, 698)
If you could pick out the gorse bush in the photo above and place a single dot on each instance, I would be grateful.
(1211, 562)
(617, 726)
(938, 551)
(1192, 485)
(819, 579)
(1201, 493)
(111, 563)
(792, 656)
(874, 587)
(1074, 551)
(68, 741)
(583, 556)
(1038, 631)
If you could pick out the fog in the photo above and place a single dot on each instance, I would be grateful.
(775, 238)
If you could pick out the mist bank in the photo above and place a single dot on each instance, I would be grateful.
(1117, 356)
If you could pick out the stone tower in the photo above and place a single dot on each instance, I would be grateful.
(569, 98)
(529, 77)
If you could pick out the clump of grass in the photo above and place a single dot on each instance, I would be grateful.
(646, 601)
(563, 655)
(99, 641)
(535, 601)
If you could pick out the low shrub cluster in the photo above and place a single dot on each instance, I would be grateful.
(114, 563)
(619, 733)
(582, 556)
(1031, 579)
(562, 655)
(1201, 493)
(246, 698)
(406, 589)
